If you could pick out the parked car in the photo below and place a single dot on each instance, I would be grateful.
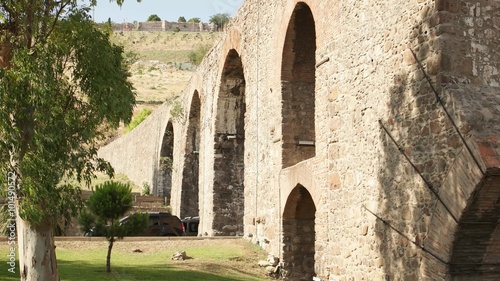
(160, 224)
(190, 226)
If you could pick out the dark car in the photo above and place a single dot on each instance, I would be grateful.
(160, 224)
(190, 225)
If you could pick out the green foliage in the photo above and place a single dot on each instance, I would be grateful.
(181, 19)
(154, 17)
(63, 84)
(220, 20)
(59, 96)
(177, 29)
(197, 20)
(176, 111)
(196, 56)
(166, 163)
(108, 27)
(109, 202)
(145, 112)
(146, 189)
(131, 57)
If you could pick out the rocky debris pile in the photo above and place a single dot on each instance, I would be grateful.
(180, 256)
(272, 265)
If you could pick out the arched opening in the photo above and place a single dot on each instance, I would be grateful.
(164, 187)
(298, 88)
(476, 248)
(229, 148)
(299, 235)
(190, 174)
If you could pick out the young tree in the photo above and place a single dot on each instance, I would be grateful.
(154, 17)
(220, 20)
(181, 19)
(109, 202)
(62, 84)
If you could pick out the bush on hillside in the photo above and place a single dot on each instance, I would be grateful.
(196, 56)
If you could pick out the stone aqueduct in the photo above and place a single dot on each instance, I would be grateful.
(355, 140)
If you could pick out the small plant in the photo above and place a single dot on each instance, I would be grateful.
(109, 202)
(196, 56)
(146, 189)
(131, 57)
(177, 29)
(138, 119)
(166, 163)
(176, 110)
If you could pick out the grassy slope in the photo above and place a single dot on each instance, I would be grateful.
(157, 75)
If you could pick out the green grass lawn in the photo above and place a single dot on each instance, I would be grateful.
(79, 261)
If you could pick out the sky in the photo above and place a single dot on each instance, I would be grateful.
(169, 10)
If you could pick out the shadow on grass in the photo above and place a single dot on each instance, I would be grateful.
(80, 271)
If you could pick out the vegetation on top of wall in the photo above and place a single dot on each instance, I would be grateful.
(145, 112)
(220, 20)
(154, 17)
(176, 111)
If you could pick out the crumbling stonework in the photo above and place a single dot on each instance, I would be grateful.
(397, 105)
(163, 26)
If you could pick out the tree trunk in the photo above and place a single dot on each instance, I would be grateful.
(5, 54)
(37, 253)
(108, 258)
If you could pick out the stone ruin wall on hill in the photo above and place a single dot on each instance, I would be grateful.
(356, 141)
(163, 26)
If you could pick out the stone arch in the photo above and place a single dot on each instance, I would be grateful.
(299, 235)
(229, 146)
(190, 174)
(298, 84)
(164, 188)
(476, 247)
(464, 235)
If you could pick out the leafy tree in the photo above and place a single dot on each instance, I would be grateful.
(109, 202)
(181, 19)
(62, 85)
(220, 20)
(154, 17)
(196, 20)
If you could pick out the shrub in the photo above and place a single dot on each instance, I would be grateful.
(176, 111)
(146, 189)
(154, 17)
(138, 119)
(197, 55)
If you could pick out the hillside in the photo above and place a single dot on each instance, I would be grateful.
(162, 70)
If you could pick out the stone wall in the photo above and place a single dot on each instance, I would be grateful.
(401, 159)
(163, 26)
